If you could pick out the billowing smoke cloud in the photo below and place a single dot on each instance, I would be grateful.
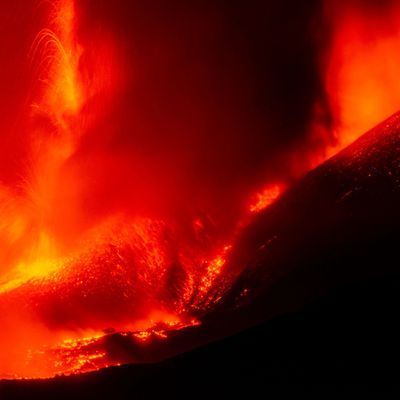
(212, 99)
(134, 134)
(209, 100)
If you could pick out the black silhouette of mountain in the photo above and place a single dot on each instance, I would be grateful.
(321, 307)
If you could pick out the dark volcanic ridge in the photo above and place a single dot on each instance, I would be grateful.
(336, 227)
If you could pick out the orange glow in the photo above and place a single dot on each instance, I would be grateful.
(82, 257)
(266, 197)
(214, 269)
(362, 67)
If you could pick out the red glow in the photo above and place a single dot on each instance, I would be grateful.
(87, 244)
(362, 65)
(266, 197)
(68, 276)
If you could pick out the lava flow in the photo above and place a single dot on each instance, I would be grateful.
(72, 272)
(108, 224)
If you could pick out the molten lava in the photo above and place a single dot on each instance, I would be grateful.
(361, 66)
(265, 198)
(68, 279)
(92, 244)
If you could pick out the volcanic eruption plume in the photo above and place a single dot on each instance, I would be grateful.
(141, 140)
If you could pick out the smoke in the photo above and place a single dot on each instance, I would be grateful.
(186, 108)
(134, 134)
(360, 65)
(211, 99)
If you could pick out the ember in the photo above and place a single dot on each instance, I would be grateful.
(111, 230)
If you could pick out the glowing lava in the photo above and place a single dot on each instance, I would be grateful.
(78, 266)
(361, 66)
(70, 279)
(266, 198)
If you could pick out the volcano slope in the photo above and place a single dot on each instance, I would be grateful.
(316, 293)
(337, 226)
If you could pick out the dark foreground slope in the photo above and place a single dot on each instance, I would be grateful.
(322, 269)
(346, 341)
(339, 225)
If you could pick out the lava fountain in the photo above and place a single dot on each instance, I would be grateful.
(71, 273)
(108, 223)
